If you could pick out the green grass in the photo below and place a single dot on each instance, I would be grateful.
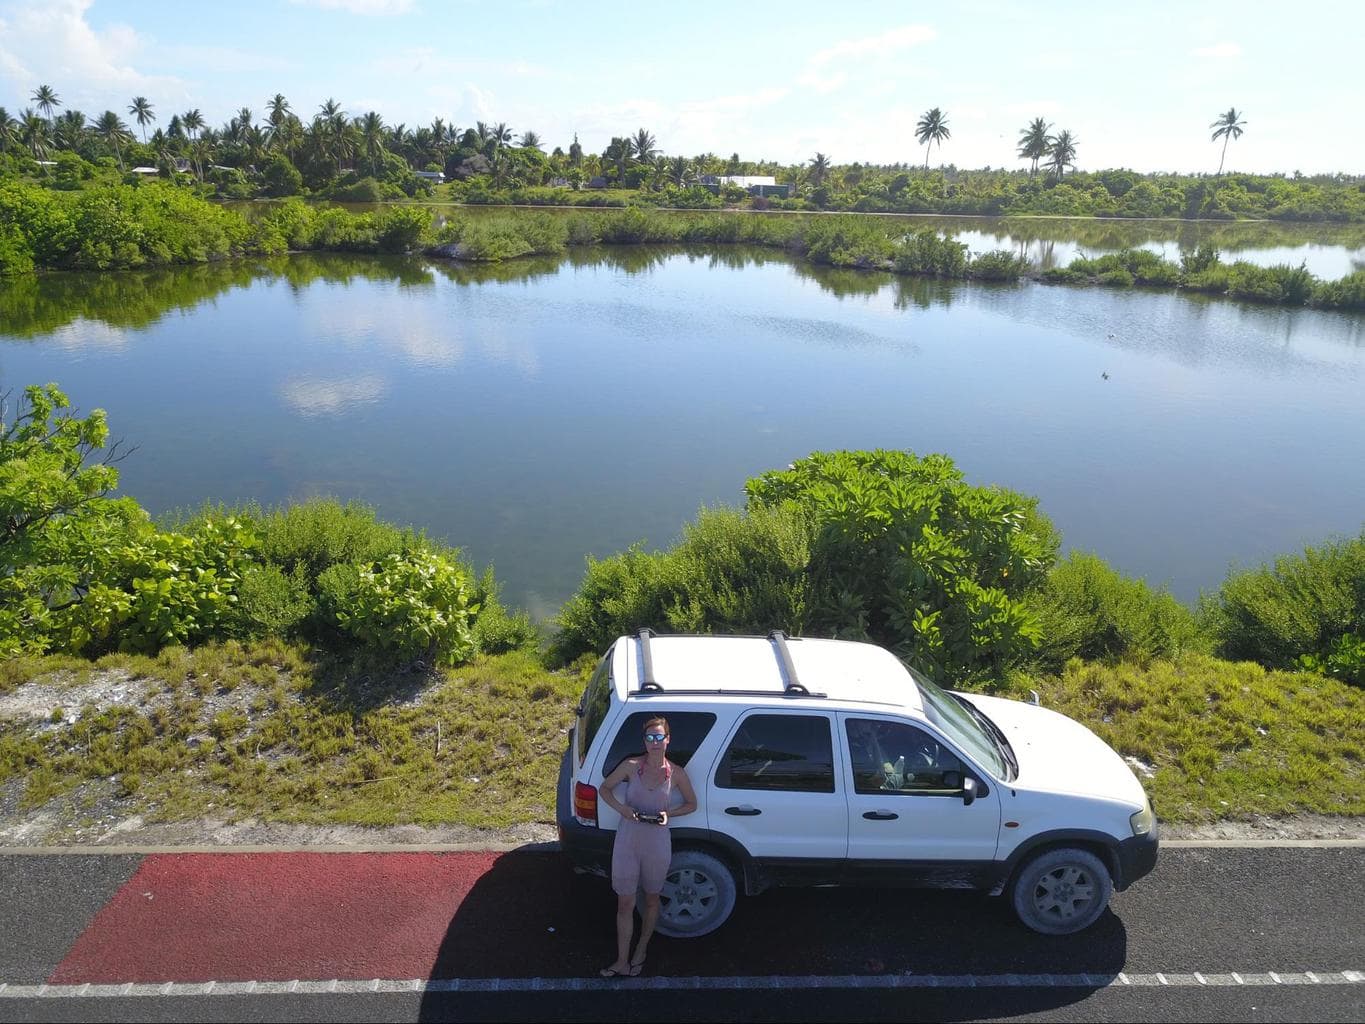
(279, 732)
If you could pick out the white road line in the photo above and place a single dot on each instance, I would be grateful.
(338, 986)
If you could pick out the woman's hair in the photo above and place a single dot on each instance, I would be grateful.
(659, 720)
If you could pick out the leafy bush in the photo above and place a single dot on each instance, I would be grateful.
(925, 252)
(416, 605)
(1281, 284)
(1196, 261)
(734, 572)
(496, 630)
(271, 603)
(1000, 265)
(1306, 611)
(1117, 278)
(1215, 279)
(316, 535)
(1087, 610)
(1064, 275)
(1347, 293)
(906, 553)
(402, 229)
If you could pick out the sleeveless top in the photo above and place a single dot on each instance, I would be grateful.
(641, 798)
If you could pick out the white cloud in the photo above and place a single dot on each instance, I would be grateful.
(223, 59)
(368, 7)
(1034, 108)
(880, 45)
(53, 43)
(1218, 51)
(425, 60)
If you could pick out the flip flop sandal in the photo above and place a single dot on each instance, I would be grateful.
(635, 968)
(611, 972)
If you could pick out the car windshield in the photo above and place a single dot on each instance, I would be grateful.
(962, 727)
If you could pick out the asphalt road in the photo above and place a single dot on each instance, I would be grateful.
(1214, 934)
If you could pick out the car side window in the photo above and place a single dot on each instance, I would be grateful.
(779, 752)
(686, 730)
(899, 758)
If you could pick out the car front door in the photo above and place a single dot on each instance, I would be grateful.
(908, 819)
(778, 790)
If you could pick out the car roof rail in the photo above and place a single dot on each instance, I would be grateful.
(784, 657)
(648, 684)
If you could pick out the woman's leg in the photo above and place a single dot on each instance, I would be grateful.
(650, 919)
(625, 927)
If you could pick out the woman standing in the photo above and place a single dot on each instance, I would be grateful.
(643, 848)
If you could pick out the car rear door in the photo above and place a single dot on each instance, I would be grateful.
(908, 821)
(778, 790)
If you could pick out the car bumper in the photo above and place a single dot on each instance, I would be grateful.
(1136, 858)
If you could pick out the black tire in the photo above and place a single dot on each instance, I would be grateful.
(698, 895)
(1062, 891)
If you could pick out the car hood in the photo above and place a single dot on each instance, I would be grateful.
(1059, 755)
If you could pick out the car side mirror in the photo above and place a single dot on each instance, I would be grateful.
(968, 791)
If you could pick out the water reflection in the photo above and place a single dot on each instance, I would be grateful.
(312, 396)
(538, 410)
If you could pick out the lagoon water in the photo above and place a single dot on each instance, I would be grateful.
(537, 412)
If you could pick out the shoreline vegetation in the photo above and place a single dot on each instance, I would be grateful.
(312, 664)
(156, 224)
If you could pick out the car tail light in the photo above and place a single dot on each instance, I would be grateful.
(585, 803)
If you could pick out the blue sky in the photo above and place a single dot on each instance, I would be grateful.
(1137, 85)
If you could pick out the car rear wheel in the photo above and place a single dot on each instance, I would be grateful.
(698, 895)
(1062, 891)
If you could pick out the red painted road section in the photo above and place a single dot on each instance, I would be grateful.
(276, 917)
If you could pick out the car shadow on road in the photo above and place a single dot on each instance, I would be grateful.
(530, 916)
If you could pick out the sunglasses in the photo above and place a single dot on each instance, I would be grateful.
(655, 737)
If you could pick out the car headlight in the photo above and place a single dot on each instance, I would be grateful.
(1142, 821)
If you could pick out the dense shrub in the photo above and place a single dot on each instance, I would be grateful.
(906, 553)
(734, 572)
(1281, 284)
(1087, 610)
(925, 252)
(1307, 611)
(1116, 278)
(271, 603)
(1064, 275)
(416, 605)
(1347, 293)
(999, 265)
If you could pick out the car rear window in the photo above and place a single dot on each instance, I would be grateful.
(784, 752)
(686, 730)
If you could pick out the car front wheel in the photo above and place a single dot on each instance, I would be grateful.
(697, 897)
(1062, 891)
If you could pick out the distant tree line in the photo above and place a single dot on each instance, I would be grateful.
(339, 156)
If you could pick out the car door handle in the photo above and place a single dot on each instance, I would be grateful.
(746, 811)
(880, 816)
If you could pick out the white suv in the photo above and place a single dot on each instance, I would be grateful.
(821, 762)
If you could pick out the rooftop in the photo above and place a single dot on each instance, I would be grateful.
(840, 670)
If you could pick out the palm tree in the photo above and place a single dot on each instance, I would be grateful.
(192, 121)
(142, 111)
(1061, 152)
(502, 135)
(114, 132)
(1228, 126)
(1033, 142)
(642, 144)
(681, 172)
(68, 130)
(279, 109)
(46, 99)
(575, 152)
(932, 128)
(9, 131)
(530, 140)
(33, 133)
(372, 136)
(331, 111)
(819, 169)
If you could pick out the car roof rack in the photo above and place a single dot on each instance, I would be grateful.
(784, 659)
(792, 687)
(648, 684)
